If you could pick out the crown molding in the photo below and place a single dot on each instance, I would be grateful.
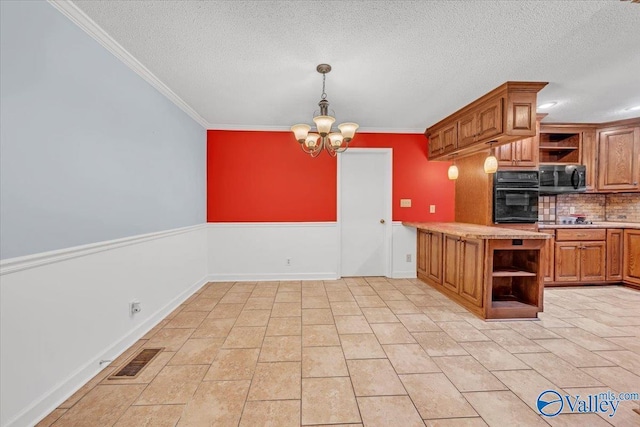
(78, 17)
(266, 128)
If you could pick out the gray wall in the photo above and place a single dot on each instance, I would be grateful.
(89, 150)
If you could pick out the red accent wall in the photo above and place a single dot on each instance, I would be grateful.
(257, 176)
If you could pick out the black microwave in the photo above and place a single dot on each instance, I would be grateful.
(559, 179)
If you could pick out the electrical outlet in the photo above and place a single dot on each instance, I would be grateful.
(408, 257)
(572, 210)
(288, 262)
(405, 203)
(432, 208)
(134, 307)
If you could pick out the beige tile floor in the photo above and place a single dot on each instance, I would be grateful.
(367, 351)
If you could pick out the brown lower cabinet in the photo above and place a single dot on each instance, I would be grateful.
(463, 268)
(591, 256)
(580, 261)
(430, 262)
(615, 240)
(547, 254)
(631, 261)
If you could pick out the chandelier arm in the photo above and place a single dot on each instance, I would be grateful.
(329, 148)
(315, 153)
(342, 149)
(307, 150)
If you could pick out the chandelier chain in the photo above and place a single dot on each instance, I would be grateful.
(324, 95)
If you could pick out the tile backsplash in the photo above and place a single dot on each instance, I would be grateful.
(622, 207)
(591, 205)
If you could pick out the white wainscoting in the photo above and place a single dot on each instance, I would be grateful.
(403, 243)
(259, 251)
(64, 311)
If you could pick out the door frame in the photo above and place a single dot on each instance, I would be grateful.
(388, 200)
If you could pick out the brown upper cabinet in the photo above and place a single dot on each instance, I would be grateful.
(445, 140)
(522, 154)
(610, 151)
(619, 159)
(506, 114)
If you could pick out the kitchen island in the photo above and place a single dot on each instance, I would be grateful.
(494, 272)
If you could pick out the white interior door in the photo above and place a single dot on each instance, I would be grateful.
(364, 211)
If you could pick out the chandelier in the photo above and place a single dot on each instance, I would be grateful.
(323, 137)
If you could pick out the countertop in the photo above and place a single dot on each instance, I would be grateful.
(475, 231)
(604, 224)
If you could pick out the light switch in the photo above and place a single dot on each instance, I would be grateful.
(405, 203)
(432, 208)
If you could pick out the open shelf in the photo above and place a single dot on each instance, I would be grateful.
(511, 272)
(514, 304)
(559, 148)
(556, 148)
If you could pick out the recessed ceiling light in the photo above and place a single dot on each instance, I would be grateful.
(547, 105)
(637, 107)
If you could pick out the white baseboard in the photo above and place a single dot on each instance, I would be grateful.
(241, 277)
(404, 274)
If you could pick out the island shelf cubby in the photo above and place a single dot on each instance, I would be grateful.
(514, 282)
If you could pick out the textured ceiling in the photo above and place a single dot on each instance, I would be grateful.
(397, 66)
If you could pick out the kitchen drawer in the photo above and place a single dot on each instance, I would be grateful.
(564, 234)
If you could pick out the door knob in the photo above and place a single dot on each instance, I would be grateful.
(382, 221)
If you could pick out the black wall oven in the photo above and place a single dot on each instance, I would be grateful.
(515, 197)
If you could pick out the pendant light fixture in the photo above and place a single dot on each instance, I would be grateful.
(452, 173)
(491, 163)
(334, 142)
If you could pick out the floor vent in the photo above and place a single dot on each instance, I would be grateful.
(133, 368)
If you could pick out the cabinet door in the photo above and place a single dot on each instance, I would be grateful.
(614, 254)
(471, 270)
(435, 144)
(450, 268)
(521, 114)
(449, 138)
(567, 256)
(526, 153)
(547, 256)
(422, 251)
(504, 154)
(490, 119)
(467, 129)
(618, 167)
(592, 261)
(631, 261)
(434, 262)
